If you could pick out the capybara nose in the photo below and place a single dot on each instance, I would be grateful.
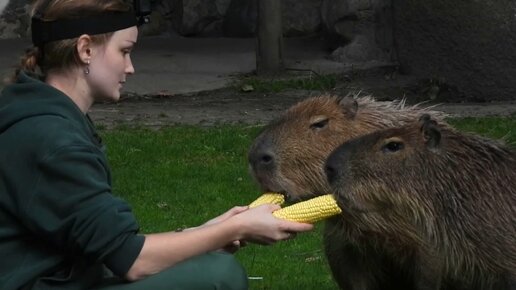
(331, 168)
(331, 173)
(262, 159)
(261, 156)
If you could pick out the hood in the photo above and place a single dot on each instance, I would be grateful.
(29, 97)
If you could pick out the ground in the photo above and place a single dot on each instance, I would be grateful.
(231, 105)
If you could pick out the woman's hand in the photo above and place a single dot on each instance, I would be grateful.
(227, 231)
(234, 211)
(261, 227)
(234, 246)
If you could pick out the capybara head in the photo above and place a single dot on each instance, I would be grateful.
(385, 170)
(289, 154)
(427, 185)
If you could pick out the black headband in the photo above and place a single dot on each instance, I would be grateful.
(46, 31)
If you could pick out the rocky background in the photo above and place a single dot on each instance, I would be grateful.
(466, 46)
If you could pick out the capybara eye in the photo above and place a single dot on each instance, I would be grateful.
(392, 147)
(319, 124)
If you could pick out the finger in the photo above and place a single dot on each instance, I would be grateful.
(239, 209)
(233, 211)
(272, 207)
(295, 227)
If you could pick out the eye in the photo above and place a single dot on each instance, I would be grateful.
(393, 146)
(319, 124)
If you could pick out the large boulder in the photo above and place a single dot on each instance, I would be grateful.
(3, 4)
(14, 19)
(299, 18)
(358, 30)
(240, 19)
(469, 45)
(196, 17)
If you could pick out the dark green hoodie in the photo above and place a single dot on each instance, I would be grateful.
(59, 222)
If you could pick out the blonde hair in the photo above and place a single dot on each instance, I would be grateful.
(61, 54)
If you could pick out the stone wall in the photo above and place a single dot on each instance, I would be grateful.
(465, 45)
(358, 30)
(237, 18)
(14, 20)
(229, 18)
(469, 45)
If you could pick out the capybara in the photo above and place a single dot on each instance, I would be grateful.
(288, 157)
(443, 202)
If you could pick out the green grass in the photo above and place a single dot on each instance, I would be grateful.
(267, 85)
(182, 176)
(493, 127)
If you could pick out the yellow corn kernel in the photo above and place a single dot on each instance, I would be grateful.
(310, 211)
(269, 197)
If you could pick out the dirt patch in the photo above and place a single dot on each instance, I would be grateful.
(231, 106)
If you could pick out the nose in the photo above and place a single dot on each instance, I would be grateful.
(331, 168)
(261, 156)
(331, 173)
(129, 68)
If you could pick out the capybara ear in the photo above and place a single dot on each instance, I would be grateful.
(430, 130)
(349, 105)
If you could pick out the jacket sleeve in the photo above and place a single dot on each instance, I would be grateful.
(72, 208)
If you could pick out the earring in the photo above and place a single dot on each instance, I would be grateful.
(87, 69)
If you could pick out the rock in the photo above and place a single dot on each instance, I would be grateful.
(358, 30)
(470, 44)
(196, 16)
(156, 26)
(301, 18)
(15, 20)
(241, 18)
(360, 50)
(9, 30)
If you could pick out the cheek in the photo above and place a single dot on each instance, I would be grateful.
(105, 71)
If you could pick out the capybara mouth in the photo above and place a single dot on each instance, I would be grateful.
(288, 197)
(292, 190)
(352, 205)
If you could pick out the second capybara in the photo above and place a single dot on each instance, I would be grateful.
(288, 157)
(443, 202)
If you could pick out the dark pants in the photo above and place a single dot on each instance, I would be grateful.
(209, 271)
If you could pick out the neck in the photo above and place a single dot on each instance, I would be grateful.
(72, 84)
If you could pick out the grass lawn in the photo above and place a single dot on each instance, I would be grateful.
(182, 176)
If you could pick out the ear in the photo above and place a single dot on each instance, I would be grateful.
(349, 105)
(84, 44)
(431, 131)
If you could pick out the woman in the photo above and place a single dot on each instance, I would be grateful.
(61, 226)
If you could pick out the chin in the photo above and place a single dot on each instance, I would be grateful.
(113, 97)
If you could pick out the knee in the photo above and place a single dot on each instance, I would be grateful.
(225, 272)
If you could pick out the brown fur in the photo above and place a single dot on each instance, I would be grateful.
(289, 155)
(445, 202)
(299, 148)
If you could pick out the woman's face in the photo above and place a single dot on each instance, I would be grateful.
(110, 64)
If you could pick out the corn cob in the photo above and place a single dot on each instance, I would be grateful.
(310, 211)
(269, 197)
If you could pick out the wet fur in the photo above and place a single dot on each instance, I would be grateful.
(446, 203)
(300, 141)
(302, 149)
